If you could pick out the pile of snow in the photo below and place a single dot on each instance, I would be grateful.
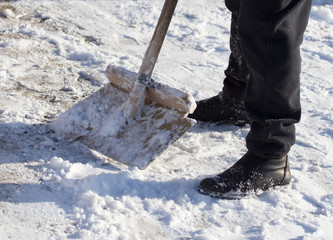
(53, 54)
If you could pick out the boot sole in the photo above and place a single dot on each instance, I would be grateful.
(236, 195)
(239, 123)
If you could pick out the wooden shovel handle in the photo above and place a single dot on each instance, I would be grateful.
(156, 42)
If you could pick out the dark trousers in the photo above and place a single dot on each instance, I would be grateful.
(264, 69)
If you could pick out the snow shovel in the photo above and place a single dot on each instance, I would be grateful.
(132, 119)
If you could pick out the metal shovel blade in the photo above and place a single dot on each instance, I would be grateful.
(99, 123)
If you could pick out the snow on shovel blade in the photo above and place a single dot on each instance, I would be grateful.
(99, 123)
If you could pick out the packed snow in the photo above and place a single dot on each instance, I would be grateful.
(54, 54)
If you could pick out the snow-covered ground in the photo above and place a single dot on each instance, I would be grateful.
(53, 54)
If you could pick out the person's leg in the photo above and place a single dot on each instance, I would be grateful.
(228, 105)
(237, 72)
(271, 33)
(270, 42)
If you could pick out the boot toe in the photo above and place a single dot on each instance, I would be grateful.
(216, 187)
(208, 187)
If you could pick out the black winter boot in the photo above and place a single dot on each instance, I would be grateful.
(219, 109)
(250, 175)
